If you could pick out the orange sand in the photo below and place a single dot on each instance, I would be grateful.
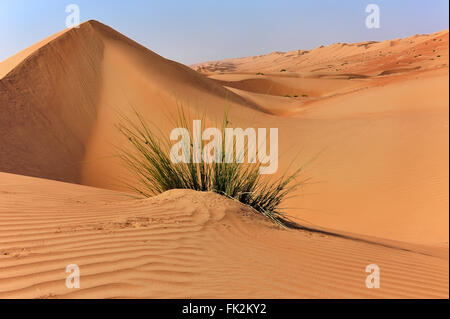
(184, 244)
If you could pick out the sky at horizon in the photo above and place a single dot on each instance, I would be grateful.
(205, 30)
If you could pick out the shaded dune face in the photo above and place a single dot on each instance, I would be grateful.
(48, 107)
(262, 86)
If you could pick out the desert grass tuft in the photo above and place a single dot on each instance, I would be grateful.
(148, 158)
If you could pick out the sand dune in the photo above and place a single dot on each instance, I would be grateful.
(381, 119)
(56, 98)
(49, 106)
(184, 244)
(377, 113)
(428, 51)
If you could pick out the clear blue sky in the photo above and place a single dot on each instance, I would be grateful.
(203, 30)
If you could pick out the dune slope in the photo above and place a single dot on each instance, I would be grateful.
(55, 94)
(49, 106)
(184, 244)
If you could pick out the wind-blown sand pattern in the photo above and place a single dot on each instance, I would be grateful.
(184, 244)
(376, 113)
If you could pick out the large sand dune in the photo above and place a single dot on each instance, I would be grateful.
(54, 96)
(377, 113)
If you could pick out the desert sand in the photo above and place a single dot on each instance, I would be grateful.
(184, 244)
(373, 115)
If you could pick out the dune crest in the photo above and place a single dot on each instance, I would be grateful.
(56, 93)
(427, 51)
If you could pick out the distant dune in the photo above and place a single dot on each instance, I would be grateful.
(428, 51)
(374, 114)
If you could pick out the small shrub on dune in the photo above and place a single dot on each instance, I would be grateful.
(148, 158)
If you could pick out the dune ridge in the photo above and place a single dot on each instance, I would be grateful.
(52, 94)
(426, 51)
